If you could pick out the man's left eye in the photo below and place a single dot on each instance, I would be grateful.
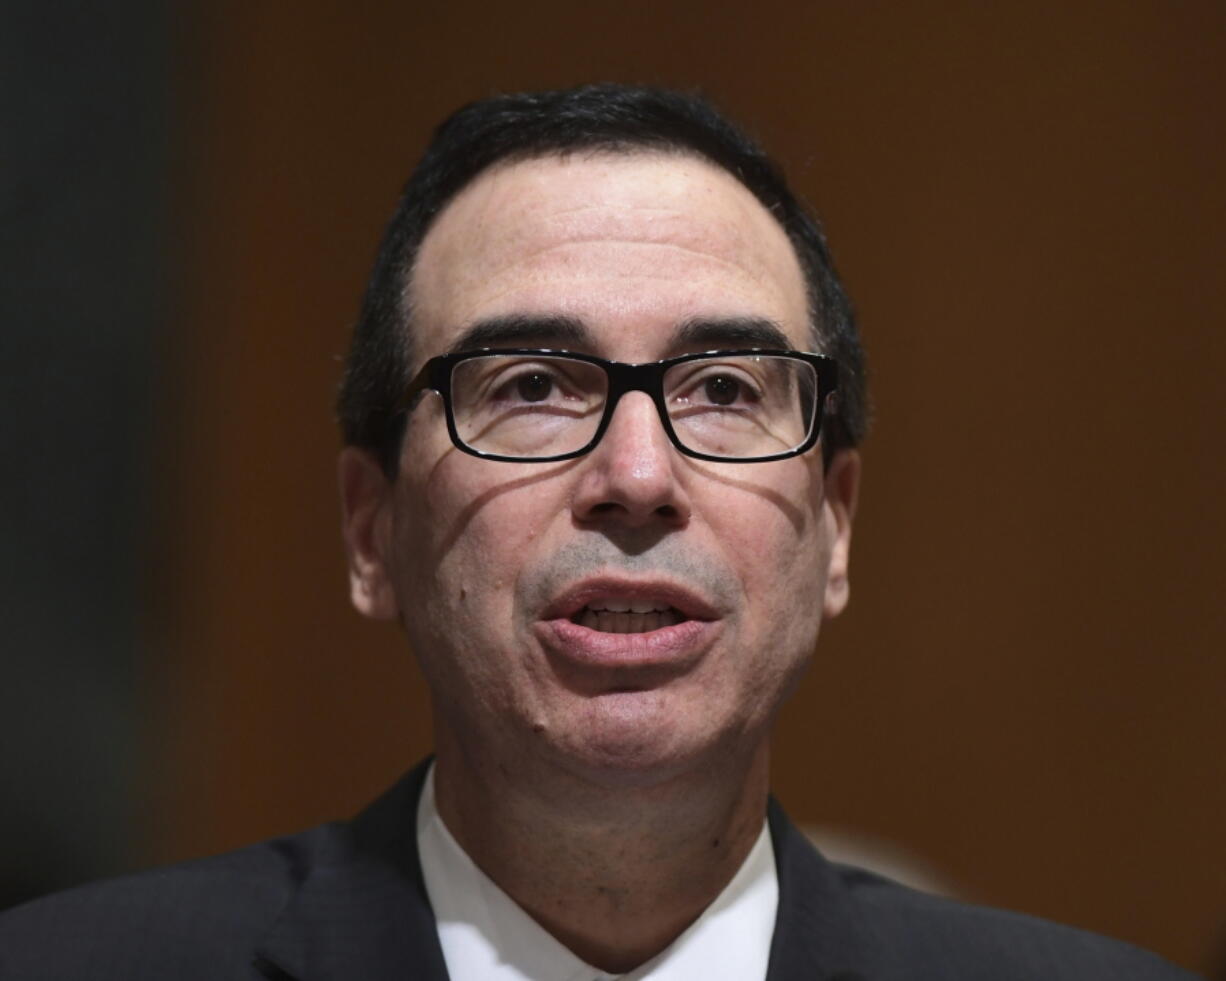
(722, 389)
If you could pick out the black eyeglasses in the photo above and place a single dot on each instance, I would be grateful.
(529, 405)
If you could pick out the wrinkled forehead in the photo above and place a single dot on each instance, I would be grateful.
(609, 239)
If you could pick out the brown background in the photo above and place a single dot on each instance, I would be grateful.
(1026, 202)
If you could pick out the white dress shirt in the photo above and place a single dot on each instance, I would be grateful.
(486, 936)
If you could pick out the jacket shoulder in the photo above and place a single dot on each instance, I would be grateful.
(196, 920)
(908, 929)
(836, 921)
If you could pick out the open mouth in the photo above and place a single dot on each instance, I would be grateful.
(618, 623)
(626, 617)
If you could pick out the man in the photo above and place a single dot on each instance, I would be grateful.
(601, 412)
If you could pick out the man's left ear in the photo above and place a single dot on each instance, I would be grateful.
(841, 490)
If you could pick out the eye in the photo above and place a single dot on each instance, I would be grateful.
(720, 386)
(534, 387)
(721, 389)
(537, 384)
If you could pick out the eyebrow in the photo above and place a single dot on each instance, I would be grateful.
(531, 330)
(732, 332)
(523, 330)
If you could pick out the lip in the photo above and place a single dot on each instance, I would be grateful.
(685, 601)
(676, 646)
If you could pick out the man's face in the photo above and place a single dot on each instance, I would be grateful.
(499, 570)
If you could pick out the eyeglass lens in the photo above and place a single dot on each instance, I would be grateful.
(733, 406)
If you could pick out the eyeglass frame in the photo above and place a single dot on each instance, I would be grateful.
(647, 377)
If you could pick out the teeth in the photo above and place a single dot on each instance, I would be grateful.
(626, 622)
(626, 606)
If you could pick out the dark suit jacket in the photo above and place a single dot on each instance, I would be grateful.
(346, 902)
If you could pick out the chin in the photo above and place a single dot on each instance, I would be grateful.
(636, 739)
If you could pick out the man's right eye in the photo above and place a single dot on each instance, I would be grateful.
(528, 385)
(534, 386)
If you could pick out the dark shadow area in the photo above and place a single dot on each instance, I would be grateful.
(82, 194)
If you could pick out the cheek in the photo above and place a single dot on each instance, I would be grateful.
(776, 538)
(463, 529)
(779, 546)
(455, 593)
(469, 527)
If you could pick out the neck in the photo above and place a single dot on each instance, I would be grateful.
(614, 873)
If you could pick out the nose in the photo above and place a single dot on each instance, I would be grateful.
(631, 476)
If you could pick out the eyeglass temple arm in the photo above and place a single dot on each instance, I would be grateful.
(424, 381)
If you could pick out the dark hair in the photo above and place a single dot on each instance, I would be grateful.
(601, 118)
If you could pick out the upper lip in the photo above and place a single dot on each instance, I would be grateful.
(690, 604)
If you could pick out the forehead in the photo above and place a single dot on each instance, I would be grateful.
(630, 246)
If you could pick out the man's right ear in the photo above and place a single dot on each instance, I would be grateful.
(366, 526)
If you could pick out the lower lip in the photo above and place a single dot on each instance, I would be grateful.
(672, 646)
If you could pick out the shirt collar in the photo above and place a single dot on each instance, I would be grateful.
(485, 935)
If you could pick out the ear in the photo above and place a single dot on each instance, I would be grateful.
(841, 490)
(366, 524)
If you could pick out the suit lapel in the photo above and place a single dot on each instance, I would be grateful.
(817, 937)
(361, 910)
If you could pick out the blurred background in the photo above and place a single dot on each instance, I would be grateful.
(1026, 201)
